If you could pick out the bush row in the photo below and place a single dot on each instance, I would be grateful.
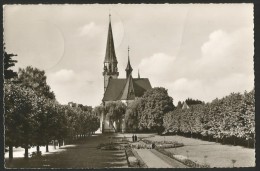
(228, 120)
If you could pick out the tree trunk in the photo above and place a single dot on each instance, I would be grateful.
(38, 149)
(234, 140)
(59, 143)
(47, 147)
(209, 137)
(11, 152)
(26, 153)
(54, 144)
(247, 143)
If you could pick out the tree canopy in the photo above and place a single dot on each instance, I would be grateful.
(8, 63)
(35, 79)
(230, 118)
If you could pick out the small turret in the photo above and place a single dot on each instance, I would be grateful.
(128, 69)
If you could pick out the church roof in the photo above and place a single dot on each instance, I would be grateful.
(110, 49)
(128, 91)
(120, 89)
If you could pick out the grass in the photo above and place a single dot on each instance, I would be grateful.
(210, 153)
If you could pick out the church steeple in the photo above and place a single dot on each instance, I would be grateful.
(110, 49)
(110, 62)
(128, 69)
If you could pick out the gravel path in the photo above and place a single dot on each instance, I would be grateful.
(172, 162)
(151, 160)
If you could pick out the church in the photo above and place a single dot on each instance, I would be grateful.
(119, 89)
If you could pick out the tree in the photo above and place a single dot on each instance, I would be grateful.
(191, 101)
(35, 79)
(19, 116)
(230, 119)
(115, 111)
(8, 63)
(98, 111)
(132, 115)
(156, 103)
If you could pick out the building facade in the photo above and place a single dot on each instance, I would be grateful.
(119, 89)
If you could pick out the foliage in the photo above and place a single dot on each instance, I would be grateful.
(19, 115)
(98, 110)
(132, 115)
(8, 63)
(155, 104)
(231, 117)
(115, 111)
(35, 79)
(191, 101)
(34, 117)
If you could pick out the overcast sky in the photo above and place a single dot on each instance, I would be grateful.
(194, 51)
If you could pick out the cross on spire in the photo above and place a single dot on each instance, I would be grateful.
(109, 16)
(128, 53)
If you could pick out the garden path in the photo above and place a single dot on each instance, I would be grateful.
(151, 160)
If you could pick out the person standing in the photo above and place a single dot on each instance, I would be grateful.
(133, 138)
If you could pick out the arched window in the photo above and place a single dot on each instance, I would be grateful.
(109, 67)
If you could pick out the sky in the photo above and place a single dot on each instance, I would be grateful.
(200, 51)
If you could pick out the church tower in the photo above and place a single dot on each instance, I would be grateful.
(110, 62)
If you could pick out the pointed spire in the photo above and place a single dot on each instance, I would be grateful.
(110, 49)
(128, 69)
(138, 74)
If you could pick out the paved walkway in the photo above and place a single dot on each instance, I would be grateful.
(155, 159)
(151, 160)
(172, 162)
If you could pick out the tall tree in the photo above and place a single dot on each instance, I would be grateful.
(132, 115)
(115, 111)
(35, 79)
(156, 103)
(19, 116)
(8, 63)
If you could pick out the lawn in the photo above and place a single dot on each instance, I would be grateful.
(214, 154)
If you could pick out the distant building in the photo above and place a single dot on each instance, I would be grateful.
(119, 89)
(71, 104)
(185, 106)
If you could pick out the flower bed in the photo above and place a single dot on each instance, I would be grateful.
(133, 160)
(164, 144)
(182, 159)
(110, 146)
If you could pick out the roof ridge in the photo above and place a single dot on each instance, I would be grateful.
(129, 85)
